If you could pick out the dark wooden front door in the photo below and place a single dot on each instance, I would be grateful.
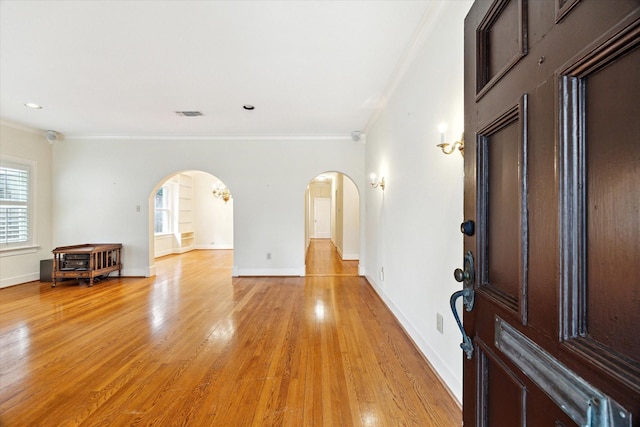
(552, 182)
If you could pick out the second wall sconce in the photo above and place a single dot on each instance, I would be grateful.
(450, 148)
(221, 193)
(375, 183)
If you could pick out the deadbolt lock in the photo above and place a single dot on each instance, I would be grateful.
(468, 228)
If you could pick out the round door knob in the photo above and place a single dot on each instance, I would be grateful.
(459, 275)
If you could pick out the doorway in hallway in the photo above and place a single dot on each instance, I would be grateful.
(322, 259)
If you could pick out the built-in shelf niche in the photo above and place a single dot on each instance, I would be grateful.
(185, 213)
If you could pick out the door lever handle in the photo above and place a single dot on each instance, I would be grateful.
(467, 277)
(466, 345)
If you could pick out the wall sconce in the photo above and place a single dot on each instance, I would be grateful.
(446, 147)
(375, 183)
(222, 193)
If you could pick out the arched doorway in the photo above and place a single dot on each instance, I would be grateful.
(332, 225)
(189, 210)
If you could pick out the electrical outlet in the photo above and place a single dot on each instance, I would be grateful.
(439, 321)
(268, 255)
(382, 274)
(137, 208)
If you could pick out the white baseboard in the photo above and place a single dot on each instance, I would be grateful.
(151, 271)
(347, 257)
(239, 271)
(136, 272)
(163, 253)
(173, 251)
(221, 246)
(442, 370)
(17, 280)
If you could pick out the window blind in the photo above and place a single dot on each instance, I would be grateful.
(14, 203)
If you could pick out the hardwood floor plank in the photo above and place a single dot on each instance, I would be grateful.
(323, 260)
(194, 346)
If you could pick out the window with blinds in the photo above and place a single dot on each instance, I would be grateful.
(163, 210)
(15, 202)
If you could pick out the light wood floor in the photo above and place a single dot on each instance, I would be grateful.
(323, 260)
(195, 347)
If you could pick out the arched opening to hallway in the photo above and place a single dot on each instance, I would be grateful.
(332, 226)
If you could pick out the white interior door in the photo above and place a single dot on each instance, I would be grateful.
(322, 218)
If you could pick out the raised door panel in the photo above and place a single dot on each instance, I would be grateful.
(503, 208)
(501, 41)
(601, 192)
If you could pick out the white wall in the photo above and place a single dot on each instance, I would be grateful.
(346, 216)
(212, 217)
(412, 227)
(268, 179)
(337, 233)
(350, 221)
(32, 146)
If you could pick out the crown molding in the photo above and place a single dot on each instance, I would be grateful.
(89, 137)
(210, 137)
(21, 127)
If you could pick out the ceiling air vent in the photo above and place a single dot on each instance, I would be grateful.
(189, 113)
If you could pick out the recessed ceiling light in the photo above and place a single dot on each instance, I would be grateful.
(33, 105)
(248, 107)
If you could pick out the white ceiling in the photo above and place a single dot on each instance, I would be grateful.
(122, 68)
